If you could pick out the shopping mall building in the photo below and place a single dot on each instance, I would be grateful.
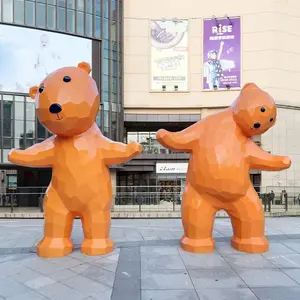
(158, 64)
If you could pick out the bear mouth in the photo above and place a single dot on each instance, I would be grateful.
(58, 117)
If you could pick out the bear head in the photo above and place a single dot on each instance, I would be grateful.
(254, 111)
(67, 100)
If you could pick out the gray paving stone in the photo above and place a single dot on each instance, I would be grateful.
(10, 268)
(161, 262)
(85, 285)
(216, 279)
(39, 282)
(42, 266)
(265, 278)
(165, 279)
(225, 248)
(159, 251)
(293, 273)
(28, 296)
(253, 261)
(285, 260)
(293, 244)
(226, 294)
(10, 288)
(203, 261)
(169, 295)
(106, 295)
(59, 291)
(62, 275)
(278, 248)
(283, 293)
(25, 274)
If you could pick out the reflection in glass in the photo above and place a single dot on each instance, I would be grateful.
(105, 68)
(80, 23)
(30, 111)
(19, 11)
(98, 7)
(41, 131)
(19, 110)
(105, 83)
(71, 4)
(7, 109)
(106, 28)
(61, 3)
(19, 129)
(51, 17)
(106, 8)
(62, 19)
(71, 20)
(97, 27)
(29, 13)
(106, 118)
(80, 5)
(7, 144)
(89, 6)
(30, 129)
(41, 12)
(7, 10)
(5, 155)
(89, 25)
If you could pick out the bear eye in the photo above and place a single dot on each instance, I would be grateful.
(262, 109)
(67, 79)
(41, 89)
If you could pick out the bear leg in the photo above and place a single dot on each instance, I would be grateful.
(197, 218)
(57, 228)
(96, 226)
(248, 221)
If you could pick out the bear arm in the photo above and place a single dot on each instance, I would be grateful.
(38, 155)
(179, 141)
(261, 160)
(115, 153)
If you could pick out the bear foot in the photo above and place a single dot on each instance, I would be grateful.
(97, 246)
(251, 245)
(197, 245)
(54, 247)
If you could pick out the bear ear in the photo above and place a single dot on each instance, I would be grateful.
(85, 66)
(249, 85)
(33, 91)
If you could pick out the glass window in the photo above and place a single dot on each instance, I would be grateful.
(114, 84)
(113, 32)
(106, 118)
(114, 68)
(105, 83)
(71, 4)
(7, 128)
(41, 1)
(98, 119)
(89, 25)
(106, 44)
(29, 13)
(61, 3)
(106, 53)
(106, 28)
(7, 143)
(19, 11)
(106, 9)
(52, 2)
(51, 17)
(80, 23)
(89, 6)
(41, 131)
(80, 5)
(105, 96)
(7, 10)
(106, 131)
(30, 111)
(30, 129)
(19, 129)
(132, 137)
(19, 110)
(41, 12)
(5, 155)
(106, 105)
(62, 19)
(105, 66)
(97, 27)
(19, 143)
(98, 7)
(114, 107)
(8, 109)
(71, 20)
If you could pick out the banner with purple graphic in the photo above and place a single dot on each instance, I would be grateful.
(221, 53)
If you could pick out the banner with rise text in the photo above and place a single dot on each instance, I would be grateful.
(221, 53)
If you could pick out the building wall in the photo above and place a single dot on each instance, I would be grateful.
(270, 58)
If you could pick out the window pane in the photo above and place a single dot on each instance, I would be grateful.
(62, 19)
(29, 13)
(52, 2)
(89, 25)
(106, 28)
(106, 9)
(30, 129)
(30, 111)
(98, 7)
(19, 143)
(61, 3)
(106, 44)
(51, 17)
(71, 20)
(80, 5)
(8, 11)
(41, 11)
(105, 96)
(7, 128)
(19, 129)
(19, 11)
(132, 137)
(7, 143)
(105, 83)
(8, 109)
(105, 66)
(41, 132)
(71, 4)
(80, 23)
(89, 6)
(97, 27)
(19, 110)
(106, 118)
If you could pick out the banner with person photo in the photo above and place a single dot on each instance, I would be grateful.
(222, 53)
(169, 55)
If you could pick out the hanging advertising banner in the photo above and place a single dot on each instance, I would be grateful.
(221, 53)
(169, 55)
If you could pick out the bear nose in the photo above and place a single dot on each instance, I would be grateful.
(256, 125)
(55, 108)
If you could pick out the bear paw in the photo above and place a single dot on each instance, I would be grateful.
(250, 245)
(97, 246)
(197, 245)
(54, 247)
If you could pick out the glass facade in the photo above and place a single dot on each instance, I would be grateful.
(99, 20)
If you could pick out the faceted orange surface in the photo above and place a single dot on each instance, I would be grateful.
(222, 154)
(67, 104)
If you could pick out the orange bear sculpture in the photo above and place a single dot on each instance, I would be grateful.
(67, 104)
(222, 153)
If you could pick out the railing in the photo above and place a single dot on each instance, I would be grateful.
(148, 198)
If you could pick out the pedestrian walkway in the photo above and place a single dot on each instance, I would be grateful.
(147, 264)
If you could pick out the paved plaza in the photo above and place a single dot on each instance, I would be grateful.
(147, 264)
